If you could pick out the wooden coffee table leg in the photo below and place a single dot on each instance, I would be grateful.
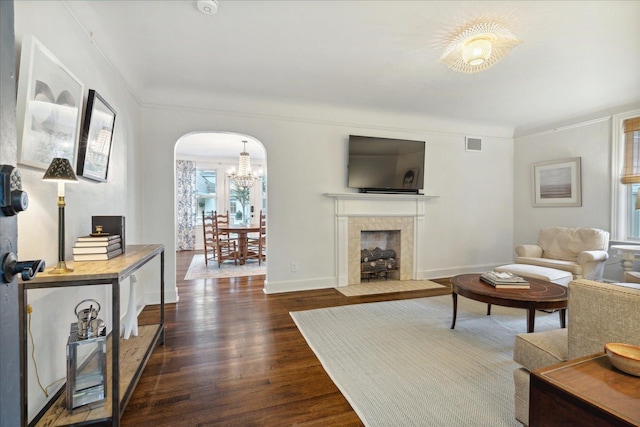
(531, 319)
(563, 317)
(455, 309)
(488, 309)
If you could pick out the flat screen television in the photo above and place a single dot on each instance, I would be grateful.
(383, 165)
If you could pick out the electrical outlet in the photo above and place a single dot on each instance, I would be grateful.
(294, 266)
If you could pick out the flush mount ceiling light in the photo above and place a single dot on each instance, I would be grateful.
(478, 47)
(208, 7)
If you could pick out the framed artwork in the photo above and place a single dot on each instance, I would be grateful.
(557, 183)
(94, 151)
(48, 107)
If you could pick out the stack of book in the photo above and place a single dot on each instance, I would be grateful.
(504, 280)
(97, 248)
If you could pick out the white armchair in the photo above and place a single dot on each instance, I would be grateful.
(579, 251)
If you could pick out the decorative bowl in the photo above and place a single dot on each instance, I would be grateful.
(625, 357)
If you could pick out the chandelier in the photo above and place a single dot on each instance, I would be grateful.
(244, 178)
(478, 47)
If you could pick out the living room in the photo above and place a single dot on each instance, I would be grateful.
(146, 133)
(306, 154)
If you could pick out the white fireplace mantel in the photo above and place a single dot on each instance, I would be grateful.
(368, 205)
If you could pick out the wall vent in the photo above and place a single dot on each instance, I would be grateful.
(473, 144)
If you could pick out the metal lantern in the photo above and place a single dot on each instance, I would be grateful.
(86, 360)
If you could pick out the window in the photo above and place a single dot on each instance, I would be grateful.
(206, 181)
(634, 213)
(626, 177)
(240, 203)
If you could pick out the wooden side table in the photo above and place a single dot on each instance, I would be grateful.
(586, 392)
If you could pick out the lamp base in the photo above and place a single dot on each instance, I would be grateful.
(61, 268)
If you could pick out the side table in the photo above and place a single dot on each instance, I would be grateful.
(628, 255)
(585, 392)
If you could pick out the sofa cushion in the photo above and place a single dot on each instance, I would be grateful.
(571, 267)
(539, 349)
(552, 275)
(566, 243)
(521, 395)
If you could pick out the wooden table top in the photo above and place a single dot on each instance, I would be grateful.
(539, 292)
(240, 228)
(594, 380)
(109, 269)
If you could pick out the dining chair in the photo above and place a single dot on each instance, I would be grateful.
(226, 247)
(257, 246)
(208, 229)
(222, 219)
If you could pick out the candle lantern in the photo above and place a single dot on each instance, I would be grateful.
(86, 359)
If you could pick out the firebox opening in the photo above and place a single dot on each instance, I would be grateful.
(379, 255)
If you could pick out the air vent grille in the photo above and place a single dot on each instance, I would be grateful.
(473, 144)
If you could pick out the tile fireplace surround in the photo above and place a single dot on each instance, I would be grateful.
(356, 212)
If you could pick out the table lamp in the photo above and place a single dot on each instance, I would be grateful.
(60, 171)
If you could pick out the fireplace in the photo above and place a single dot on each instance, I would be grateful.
(380, 255)
(355, 212)
(377, 226)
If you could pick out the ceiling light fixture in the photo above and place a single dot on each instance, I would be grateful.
(208, 7)
(244, 178)
(478, 46)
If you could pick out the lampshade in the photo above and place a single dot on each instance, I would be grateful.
(477, 47)
(60, 170)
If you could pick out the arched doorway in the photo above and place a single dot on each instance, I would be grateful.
(203, 161)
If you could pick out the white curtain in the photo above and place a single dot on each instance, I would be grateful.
(187, 204)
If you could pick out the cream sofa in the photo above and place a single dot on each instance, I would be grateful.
(598, 313)
(579, 251)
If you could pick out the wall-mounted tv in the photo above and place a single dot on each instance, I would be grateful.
(385, 165)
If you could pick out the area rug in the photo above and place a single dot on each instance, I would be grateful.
(198, 269)
(387, 286)
(398, 363)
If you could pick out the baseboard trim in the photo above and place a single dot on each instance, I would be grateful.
(298, 285)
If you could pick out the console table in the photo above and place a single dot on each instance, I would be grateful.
(588, 392)
(123, 374)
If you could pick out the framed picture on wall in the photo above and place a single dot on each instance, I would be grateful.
(48, 107)
(557, 183)
(94, 151)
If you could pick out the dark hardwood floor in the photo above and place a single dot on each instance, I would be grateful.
(233, 356)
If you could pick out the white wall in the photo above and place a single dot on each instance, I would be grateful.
(469, 227)
(52, 24)
(591, 141)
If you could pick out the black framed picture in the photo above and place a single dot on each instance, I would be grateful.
(94, 151)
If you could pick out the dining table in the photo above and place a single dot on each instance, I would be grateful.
(241, 230)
